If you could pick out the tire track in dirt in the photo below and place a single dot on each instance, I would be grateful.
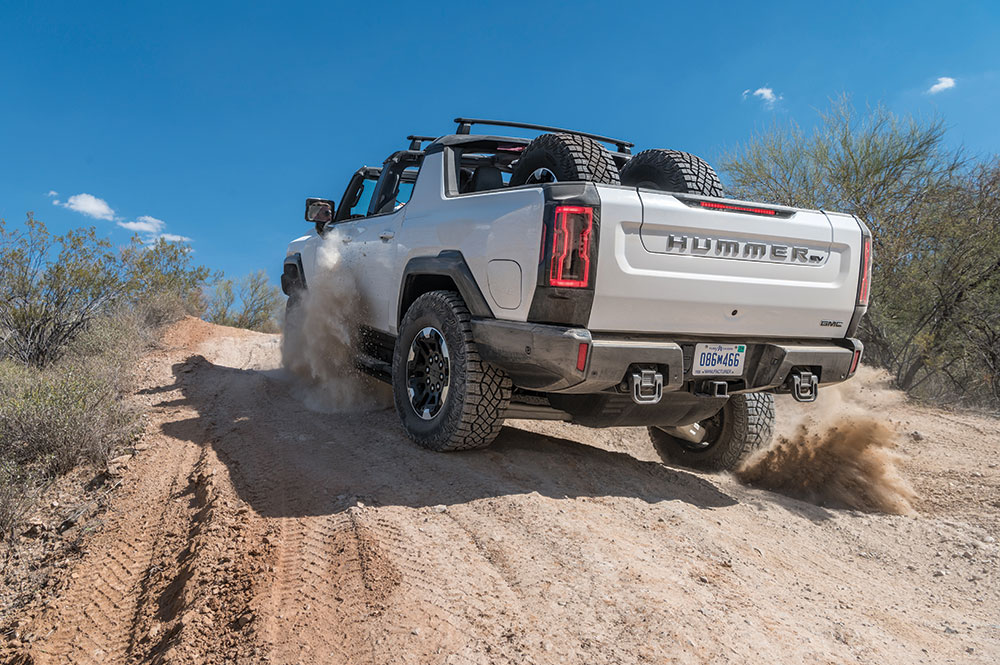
(351, 581)
(94, 620)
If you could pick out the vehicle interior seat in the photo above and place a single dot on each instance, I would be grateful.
(484, 179)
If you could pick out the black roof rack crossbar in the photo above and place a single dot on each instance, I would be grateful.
(416, 140)
(465, 127)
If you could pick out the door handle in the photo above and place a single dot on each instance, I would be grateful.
(386, 236)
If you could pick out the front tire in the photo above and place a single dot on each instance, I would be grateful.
(744, 425)
(447, 397)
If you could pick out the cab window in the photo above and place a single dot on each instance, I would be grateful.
(358, 196)
(395, 186)
(364, 198)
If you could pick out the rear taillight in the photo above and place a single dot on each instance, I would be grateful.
(570, 265)
(866, 271)
(854, 361)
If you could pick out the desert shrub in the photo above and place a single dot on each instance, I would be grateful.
(15, 487)
(258, 303)
(162, 281)
(53, 286)
(74, 411)
(50, 288)
(52, 420)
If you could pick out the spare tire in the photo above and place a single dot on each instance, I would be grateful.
(562, 158)
(671, 171)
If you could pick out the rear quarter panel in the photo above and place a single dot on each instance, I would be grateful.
(504, 225)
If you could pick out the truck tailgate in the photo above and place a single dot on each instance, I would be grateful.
(669, 265)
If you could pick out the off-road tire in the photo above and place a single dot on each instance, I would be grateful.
(671, 171)
(478, 394)
(747, 426)
(569, 157)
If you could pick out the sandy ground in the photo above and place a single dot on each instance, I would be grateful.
(257, 527)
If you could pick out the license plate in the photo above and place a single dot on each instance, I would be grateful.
(718, 359)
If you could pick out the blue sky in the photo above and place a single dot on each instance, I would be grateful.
(214, 120)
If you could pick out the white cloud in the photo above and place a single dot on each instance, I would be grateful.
(152, 229)
(144, 224)
(943, 83)
(89, 205)
(170, 237)
(767, 96)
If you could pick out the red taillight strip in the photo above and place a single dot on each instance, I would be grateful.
(725, 206)
(854, 362)
(581, 356)
(866, 270)
(561, 249)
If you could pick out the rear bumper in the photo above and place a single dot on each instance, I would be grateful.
(544, 358)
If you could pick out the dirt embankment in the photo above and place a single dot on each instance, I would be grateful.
(262, 526)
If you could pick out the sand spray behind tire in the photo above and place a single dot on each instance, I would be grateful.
(318, 345)
(838, 451)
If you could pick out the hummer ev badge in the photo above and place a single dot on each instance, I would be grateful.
(744, 250)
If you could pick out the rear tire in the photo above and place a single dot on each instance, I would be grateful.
(745, 425)
(671, 171)
(564, 158)
(447, 397)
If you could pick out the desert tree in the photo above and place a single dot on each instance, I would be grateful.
(51, 287)
(934, 219)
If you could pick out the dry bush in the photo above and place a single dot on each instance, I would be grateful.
(53, 420)
(14, 493)
(73, 412)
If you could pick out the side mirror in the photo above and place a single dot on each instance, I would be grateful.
(319, 211)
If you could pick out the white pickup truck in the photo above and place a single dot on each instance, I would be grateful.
(553, 278)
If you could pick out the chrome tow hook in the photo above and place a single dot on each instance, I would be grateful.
(804, 385)
(647, 386)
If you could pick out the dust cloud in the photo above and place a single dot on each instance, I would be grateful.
(320, 337)
(836, 452)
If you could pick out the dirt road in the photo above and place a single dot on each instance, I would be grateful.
(257, 529)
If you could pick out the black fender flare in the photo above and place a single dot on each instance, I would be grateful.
(448, 263)
(292, 276)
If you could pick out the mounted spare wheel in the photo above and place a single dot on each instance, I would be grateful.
(564, 158)
(671, 171)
